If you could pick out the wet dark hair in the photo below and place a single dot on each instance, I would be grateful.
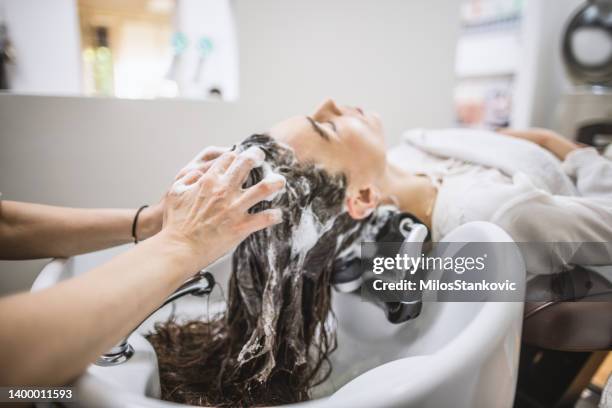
(273, 342)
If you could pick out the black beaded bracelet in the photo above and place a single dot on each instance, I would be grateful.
(135, 223)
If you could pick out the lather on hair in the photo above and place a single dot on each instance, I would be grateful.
(273, 342)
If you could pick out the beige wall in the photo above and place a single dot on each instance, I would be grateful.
(44, 33)
(394, 56)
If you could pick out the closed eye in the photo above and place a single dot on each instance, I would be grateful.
(320, 131)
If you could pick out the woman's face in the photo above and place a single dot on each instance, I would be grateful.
(341, 139)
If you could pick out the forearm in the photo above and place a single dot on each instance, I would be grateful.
(40, 231)
(545, 138)
(558, 145)
(49, 337)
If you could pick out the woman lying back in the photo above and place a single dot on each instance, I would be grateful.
(272, 344)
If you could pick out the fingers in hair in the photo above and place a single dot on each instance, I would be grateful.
(263, 219)
(244, 163)
(265, 190)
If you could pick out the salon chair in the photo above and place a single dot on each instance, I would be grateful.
(565, 337)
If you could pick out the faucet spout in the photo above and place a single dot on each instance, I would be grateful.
(201, 284)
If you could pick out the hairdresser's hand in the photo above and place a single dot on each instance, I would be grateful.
(549, 140)
(206, 211)
(151, 218)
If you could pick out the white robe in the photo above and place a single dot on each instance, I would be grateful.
(483, 176)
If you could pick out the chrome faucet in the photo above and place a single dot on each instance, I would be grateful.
(201, 284)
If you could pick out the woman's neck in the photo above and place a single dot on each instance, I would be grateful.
(410, 192)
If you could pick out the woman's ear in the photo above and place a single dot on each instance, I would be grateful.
(362, 202)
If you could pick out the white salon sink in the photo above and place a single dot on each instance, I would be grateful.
(453, 355)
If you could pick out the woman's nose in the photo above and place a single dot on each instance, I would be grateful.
(326, 109)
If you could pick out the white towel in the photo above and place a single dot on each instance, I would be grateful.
(509, 155)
